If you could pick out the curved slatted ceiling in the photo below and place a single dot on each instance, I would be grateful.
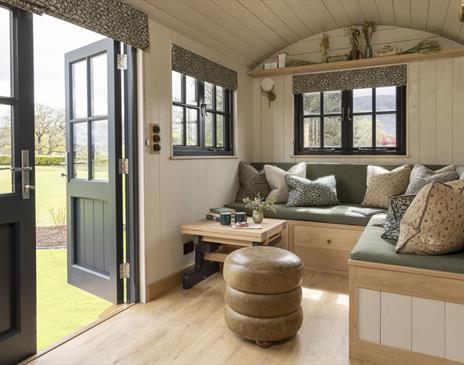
(251, 30)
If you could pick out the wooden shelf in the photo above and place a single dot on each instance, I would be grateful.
(368, 62)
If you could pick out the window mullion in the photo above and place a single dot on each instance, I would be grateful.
(201, 116)
(374, 131)
(321, 140)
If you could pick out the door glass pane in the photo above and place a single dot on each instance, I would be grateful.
(385, 99)
(219, 131)
(176, 86)
(332, 132)
(99, 87)
(100, 150)
(209, 90)
(385, 132)
(362, 131)
(5, 66)
(312, 132)
(312, 103)
(80, 161)
(219, 98)
(209, 130)
(332, 102)
(192, 127)
(191, 90)
(79, 89)
(362, 100)
(5, 149)
(177, 125)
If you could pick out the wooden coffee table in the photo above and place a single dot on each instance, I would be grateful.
(212, 243)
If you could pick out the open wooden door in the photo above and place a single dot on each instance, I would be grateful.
(94, 187)
(17, 207)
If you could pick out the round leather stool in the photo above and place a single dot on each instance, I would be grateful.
(263, 294)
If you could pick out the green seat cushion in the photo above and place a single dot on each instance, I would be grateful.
(372, 248)
(338, 214)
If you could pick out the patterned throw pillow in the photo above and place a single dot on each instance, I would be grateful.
(276, 179)
(399, 206)
(433, 224)
(307, 193)
(421, 176)
(382, 185)
(252, 182)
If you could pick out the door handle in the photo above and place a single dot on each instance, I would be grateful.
(25, 170)
(21, 169)
(29, 187)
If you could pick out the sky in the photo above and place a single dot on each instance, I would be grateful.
(52, 39)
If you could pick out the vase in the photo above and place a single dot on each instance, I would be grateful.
(354, 54)
(368, 51)
(257, 216)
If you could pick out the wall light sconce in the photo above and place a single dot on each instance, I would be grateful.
(461, 14)
(267, 87)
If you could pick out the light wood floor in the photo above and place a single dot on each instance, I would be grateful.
(187, 327)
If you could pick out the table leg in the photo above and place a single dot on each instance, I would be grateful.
(203, 268)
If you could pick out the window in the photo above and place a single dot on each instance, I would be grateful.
(359, 121)
(201, 117)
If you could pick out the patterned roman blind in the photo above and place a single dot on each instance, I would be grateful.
(351, 79)
(112, 18)
(201, 68)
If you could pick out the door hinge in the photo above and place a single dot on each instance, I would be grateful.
(121, 61)
(124, 270)
(123, 166)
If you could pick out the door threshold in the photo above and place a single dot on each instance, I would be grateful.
(107, 314)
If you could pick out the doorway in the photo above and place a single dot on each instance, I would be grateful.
(63, 195)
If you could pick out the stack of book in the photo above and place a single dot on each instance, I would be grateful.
(214, 214)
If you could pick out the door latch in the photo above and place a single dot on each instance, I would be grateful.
(25, 171)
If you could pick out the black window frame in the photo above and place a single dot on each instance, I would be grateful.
(202, 111)
(347, 126)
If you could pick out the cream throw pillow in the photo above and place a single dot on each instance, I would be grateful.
(433, 223)
(276, 179)
(382, 185)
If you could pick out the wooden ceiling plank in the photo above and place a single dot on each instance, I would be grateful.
(283, 11)
(386, 12)
(198, 21)
(338, 12)
(370, 11)
(437, 15)
(419, 14)
(402, 10)
(230, 24)
(452, 25)
(249, 20)
(181, 27)
(317, 9)
(261, 11)
(353, 10)
(302, 12)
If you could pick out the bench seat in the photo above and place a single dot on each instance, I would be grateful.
(339, 214)
(372, 247)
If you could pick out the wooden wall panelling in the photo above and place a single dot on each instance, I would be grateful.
(413, 112)
(427, 111)
(288, 120)
(444, 111)
(257, 119)
(277, 107)
(458, 110)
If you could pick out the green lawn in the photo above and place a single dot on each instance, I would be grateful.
(61, 308)
(50, 192)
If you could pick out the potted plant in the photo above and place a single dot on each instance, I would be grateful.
(354, 34)
(259, 205)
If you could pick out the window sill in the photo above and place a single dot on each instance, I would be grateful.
(205, 157)
(353, 156)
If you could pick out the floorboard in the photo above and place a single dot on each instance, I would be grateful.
(188, 327)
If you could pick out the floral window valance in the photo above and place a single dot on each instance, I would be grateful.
(201, 68)
(112, 18)
(351, 79)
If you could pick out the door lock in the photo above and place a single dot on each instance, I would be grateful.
(25, 171)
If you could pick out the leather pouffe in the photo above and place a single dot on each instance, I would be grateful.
(263, 293)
